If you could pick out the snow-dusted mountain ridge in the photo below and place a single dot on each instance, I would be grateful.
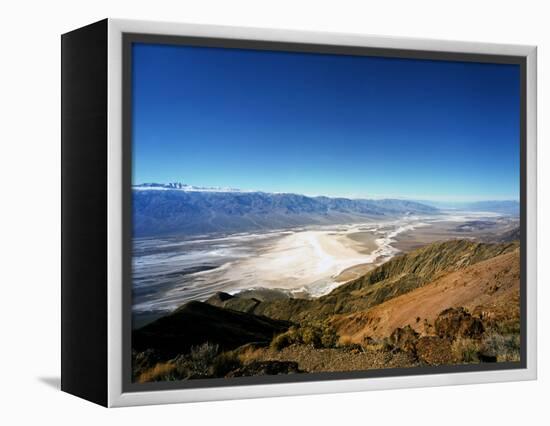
(160, 209)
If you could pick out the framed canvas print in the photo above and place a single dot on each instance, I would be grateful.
(251, 212)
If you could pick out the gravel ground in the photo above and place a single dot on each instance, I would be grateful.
(318, 360)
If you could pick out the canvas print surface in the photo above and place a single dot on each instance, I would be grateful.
(297, 213)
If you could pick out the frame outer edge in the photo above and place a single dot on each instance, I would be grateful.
(329, 38)
(532, 205)
(115, 395)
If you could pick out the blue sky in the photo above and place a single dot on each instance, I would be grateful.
(325, 124)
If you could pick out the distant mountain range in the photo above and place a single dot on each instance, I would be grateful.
(176, 208)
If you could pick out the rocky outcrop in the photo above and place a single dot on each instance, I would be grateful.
(404, 339)
(458, 322)
(451, 324)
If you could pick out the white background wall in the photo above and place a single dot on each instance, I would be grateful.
(30, 199)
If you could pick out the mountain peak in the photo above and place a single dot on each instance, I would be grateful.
(178, 186)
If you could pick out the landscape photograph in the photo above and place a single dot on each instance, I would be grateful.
(298, 213)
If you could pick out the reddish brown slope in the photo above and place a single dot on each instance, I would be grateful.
(491, 286)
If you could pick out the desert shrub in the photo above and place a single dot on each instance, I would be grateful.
(371, 344)
(503, 347)
(387, 346)
(295, 333)
(329, 337)
(507, 327)
(317, 334)
(283, 340)
(202, 361)
(163, 371)
(466, 350)
(345, 340)
(183, 368)
(224, 363)
(291, 336)
(249, 353)
(368, 344)
(312, 336)
(202, 357)
(143, 361)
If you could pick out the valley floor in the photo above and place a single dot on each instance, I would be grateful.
(305, 262)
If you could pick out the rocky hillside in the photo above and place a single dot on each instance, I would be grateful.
(412, 270)
(494, 281)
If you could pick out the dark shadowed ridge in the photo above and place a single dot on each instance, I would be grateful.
(195, 323)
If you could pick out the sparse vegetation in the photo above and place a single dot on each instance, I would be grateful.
(202, 357)
(248, 354)
(503, 347)
(203, 361)
(507, 326)
(224, 363)
(466, 350)
(285, 339)
(163, 371)
(316, 334)
(345, 340)
(376, 344)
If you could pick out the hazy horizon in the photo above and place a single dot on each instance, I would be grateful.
(449, 200)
